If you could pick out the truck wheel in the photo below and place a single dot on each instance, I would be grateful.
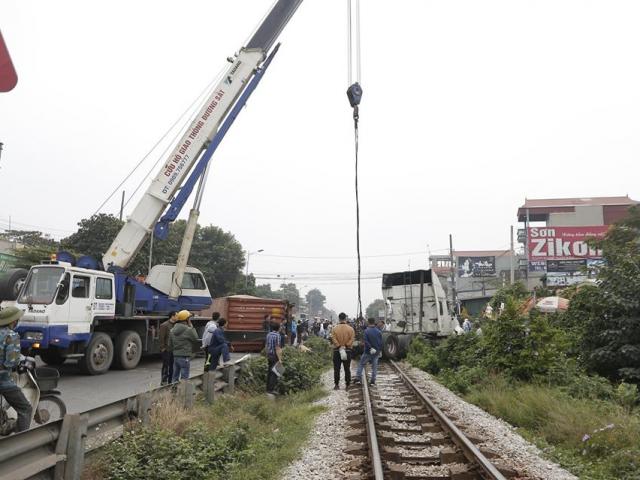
(98, 355)
(403, 344)
(11, 282)
(52, 357)
(390, 347)
(128, 350)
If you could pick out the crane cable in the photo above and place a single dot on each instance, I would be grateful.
(354, 94)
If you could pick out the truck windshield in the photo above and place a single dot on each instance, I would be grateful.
(41, 285)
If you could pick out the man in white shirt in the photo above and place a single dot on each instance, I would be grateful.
(209, 328)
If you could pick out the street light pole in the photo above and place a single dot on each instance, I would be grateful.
(246, 275)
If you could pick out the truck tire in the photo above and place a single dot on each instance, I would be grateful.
(128, 350)
(403, 344)
(11, 282)
(52, 357)
(390, 347)
(98, 355)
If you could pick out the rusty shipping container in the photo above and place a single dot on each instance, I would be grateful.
(245, 319)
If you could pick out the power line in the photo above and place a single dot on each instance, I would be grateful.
(305, 257)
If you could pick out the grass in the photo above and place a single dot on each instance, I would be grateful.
(595, 439)
(240, 437)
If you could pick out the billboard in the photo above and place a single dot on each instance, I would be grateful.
(8, 76)
(567, 266)
(476, 267)
(563, 243)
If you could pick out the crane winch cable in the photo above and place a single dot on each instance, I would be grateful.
(354, 94)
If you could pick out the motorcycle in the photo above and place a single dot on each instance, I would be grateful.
(39, 386)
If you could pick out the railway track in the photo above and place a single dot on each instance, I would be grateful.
(399, 433)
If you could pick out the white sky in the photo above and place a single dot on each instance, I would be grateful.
(468, 108)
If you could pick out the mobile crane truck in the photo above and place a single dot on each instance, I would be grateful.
(94, 311)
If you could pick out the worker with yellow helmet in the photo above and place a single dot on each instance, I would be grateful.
(183, 340)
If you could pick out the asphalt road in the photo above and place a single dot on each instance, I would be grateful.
(84, 392)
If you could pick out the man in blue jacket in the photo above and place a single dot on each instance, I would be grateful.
(219, 346)
(372, 351)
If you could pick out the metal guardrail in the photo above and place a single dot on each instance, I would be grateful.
(57, 450)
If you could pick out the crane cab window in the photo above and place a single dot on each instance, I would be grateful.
(80, 287)
(63, 290)
(103, 289)
(193, 281)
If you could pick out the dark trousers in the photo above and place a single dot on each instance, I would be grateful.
(293, 338)
(20, 404)
(215, 353)
(272, 378)
(337, 362)
(167, 367)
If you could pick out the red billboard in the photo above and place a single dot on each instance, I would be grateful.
(561, 243)
(8, 76)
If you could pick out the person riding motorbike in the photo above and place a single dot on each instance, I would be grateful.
(9, 359)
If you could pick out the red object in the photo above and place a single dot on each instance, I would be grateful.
(560, 243)
(8, 75)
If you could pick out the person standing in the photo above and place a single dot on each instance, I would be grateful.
(219, 346)
(283, 332)
(342, 337)
(182, 340)
(209, 328)
(167, 356)
(372, 351)
(9, 359)
(466, 325)
(274, 355)
(294, 330)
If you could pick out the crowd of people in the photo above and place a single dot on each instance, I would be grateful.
(179, 342)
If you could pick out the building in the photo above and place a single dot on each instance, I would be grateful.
(556, 234)
(478, 275)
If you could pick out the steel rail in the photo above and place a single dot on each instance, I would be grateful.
(470, 451)
(374, 449)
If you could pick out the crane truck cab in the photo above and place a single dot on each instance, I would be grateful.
(416, 306)
(103, 319)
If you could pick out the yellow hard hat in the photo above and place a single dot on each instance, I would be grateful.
(183, 315)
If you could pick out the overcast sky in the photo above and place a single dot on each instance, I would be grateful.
(468, 108)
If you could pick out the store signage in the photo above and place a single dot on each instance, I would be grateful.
(560, 243)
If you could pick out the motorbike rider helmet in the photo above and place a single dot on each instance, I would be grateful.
(9, 315)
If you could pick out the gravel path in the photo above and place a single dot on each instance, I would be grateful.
(498, 434)
(324, 456)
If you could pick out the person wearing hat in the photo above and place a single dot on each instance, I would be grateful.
(182, 339)
(9, 358)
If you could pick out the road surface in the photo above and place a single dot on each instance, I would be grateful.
(84, 392)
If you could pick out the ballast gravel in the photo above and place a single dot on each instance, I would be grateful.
(498, 435)
(324, 456)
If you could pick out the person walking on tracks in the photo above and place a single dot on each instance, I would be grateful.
(182, 340)
(167, 355)
(372, 351)
(207, 335)
(9, 358)
(342, 337)
(274, 355)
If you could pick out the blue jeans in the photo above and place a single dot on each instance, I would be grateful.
(373, 360)
(215, 353)
(181, 366)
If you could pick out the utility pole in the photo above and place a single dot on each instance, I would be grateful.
(512, 262)
(246, 275)
(526, 248)
(121, 205)
(454, 296)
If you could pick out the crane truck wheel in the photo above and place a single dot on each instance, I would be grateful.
(128, 350)
(11, 282)
(390, 347)
(98, 355)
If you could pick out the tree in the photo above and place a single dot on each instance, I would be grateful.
(289, 292)
(31, 247)
(315, 300)
(375, 307)
(611, 310)
(94, 235)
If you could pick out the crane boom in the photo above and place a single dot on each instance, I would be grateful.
(199, 133)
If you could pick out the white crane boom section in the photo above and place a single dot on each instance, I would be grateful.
(175, 170)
